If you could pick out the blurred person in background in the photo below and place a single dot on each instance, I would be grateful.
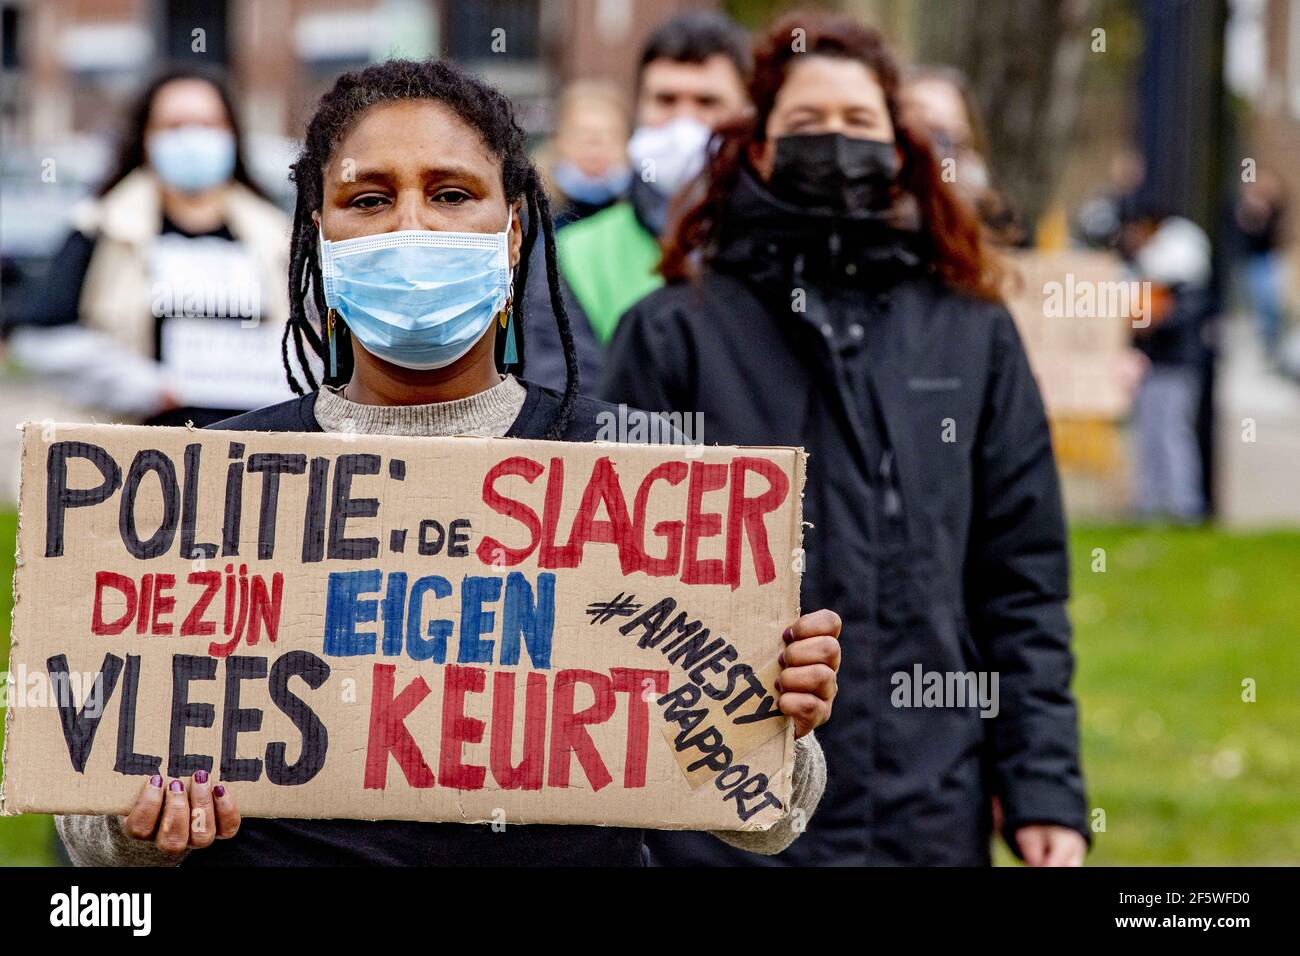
(1259, 218)
(164, 300)
(829, 291)
(1101, 219)
(585, 164)
(938, 102)
(691, 78)
(1173, 255)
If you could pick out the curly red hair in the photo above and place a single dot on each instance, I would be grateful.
(960, 253)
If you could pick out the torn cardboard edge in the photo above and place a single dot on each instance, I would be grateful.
(5, 810)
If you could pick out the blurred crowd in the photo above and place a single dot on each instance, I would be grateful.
(180, 221)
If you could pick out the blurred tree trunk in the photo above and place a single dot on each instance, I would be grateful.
(1024, 60)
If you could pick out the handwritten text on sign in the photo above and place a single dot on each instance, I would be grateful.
(441, 629)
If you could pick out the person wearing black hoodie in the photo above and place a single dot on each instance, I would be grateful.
(829, 291)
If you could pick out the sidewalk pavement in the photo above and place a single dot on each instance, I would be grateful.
(1258, 480)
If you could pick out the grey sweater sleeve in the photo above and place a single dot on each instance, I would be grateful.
(101, 841)
(809, 784)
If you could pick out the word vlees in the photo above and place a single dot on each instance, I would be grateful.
(542, 717)
(738, 517)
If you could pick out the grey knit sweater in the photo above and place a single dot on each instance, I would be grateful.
(100, 840)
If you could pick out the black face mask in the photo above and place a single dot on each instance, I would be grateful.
(834, 172)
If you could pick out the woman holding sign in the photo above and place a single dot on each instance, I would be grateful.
(829, 289)
(409, 171)
(166, 297)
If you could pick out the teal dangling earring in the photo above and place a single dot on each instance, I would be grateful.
(333, 339)
(508, 326)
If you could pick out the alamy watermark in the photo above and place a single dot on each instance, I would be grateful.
(949, 689)
(634, 426)
(23, 688)
(75, 908)
(195, 300)
(1089, 299)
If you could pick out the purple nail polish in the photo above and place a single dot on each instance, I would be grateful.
(788, 636)
(176, 787)
(781, 659)
(155, 780)
(200, 776)
(218, 791)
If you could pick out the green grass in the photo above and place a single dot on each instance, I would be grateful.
(1185, 770)
(26, 840)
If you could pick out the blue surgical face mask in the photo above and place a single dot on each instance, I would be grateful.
(192, 158)
(593, 190)
(419, 299)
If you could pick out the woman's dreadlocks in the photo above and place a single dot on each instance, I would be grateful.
(483, 108)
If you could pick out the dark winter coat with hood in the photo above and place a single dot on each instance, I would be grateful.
(935, 526)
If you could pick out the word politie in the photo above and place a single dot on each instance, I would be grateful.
(527, 491)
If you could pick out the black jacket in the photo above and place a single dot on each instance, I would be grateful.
(401, 842)
(936, 529)
(543, 348)
(1178, 339)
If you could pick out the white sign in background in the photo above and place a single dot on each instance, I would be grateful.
(207, 295)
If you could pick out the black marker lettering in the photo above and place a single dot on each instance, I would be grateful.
(59, 497)
(272, 466)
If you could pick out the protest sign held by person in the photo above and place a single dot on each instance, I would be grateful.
(573, 634)
(408, 258)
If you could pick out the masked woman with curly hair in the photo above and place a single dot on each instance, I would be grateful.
(829, 290)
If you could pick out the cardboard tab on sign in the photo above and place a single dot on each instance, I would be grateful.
(1076, 310)
(442, 629)
(717, 741)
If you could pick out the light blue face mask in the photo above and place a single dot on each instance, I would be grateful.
(419, 299)
(593, 190)
(192, 158)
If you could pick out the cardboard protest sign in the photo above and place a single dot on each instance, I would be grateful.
(223, 363)
(1075, 310)
(406, 628)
